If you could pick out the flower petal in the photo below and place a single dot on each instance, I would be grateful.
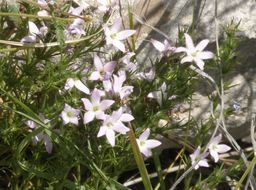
(119, 45)
(158, 45)
(110, 134)
(201, 45)
(88, 117)
(199, 63)
(29, 39)
(126, 117)
(180, 49)
(124, 34)
(97, 63)
(121, 128)
(102, 131)
(95, 97)
(203, 163)
(87, 104)
(48, 144)
(205, 55)
(189, 42)
(186, 59)
(215, 155)
(33, 28)
(109, 67)
(146, 152)
(223, 148)
(151, 143)
(80, 86)
(95, 76)
(144, 136)
(105, 104)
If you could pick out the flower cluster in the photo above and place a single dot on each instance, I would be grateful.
(199, 160)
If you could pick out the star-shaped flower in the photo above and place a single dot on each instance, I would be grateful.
(195, 53)
(199, 159)
(145, 144)
(115, 37)
(103, 71)
(165, 48)
(70, 115)
(95, 108)
(34, 33)
(159, 95)
(215, 148)
(114, 123)
(42, 136)
(115, 87)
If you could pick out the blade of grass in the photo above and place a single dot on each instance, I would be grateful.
(139, 160)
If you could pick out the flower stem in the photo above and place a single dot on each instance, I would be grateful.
(139, 160)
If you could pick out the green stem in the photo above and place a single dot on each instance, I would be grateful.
(250, 166)
(159, 170)
(35, 16)
(139, 160)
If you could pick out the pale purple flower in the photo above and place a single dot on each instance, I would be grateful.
(75, 11)
(159, 95)
(114, 123)
(127, 63)
(145, 144)
(75, 29)
(103, 71)
(215, 148)
(165, 48)
(42, 136)
(70, 83)
(95, 108)
(115, 37)
(149, 74)
(106, 5)
(70, 115)
(195, 53)
(34, 33)
(198, 159)
(115, 87)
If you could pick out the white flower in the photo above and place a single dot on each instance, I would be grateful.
(70, 115)
(114, 123)
(34, 33)
(195, 53)
(70, 83)
(148, 75)
(95, 108)
(106, 5)
(159, 95)
(41, 136)
(128, 65)
(114, 36)
(115, 87)
(164, 48)
(103, 71)
(199, 159)
(145, 144)
(215, 148)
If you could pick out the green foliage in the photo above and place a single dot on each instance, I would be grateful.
(32, 80)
